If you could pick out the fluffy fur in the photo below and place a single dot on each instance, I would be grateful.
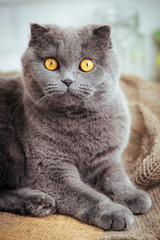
(60, 146)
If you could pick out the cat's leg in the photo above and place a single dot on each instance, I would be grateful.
(77, 199)
(27, 201)
(116, 184)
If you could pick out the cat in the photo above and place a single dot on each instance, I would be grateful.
(63, 127)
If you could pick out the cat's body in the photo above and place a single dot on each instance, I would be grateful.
(66, 139)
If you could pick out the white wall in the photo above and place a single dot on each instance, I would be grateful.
(15, 17)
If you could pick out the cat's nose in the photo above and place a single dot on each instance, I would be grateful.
(67, 82)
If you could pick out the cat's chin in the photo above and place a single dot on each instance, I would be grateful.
(66, 98)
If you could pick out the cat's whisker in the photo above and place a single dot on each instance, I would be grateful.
(52, 90)
(50, 86)
(48, 104)
(32, 107)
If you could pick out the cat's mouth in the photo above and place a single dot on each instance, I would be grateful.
(80, 91)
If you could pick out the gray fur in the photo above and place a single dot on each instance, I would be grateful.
(60, 147)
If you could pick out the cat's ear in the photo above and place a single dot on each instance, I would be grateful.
(37, 29)
(38, 34)
(102, 34)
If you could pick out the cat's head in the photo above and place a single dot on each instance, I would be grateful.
(69, 65)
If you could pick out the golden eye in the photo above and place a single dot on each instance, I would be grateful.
(51, 64)
(86, 65)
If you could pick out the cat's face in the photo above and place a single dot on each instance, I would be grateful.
(70, 65)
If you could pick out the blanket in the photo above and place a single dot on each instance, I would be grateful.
(142, 162)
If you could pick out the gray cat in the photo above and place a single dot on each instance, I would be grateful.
(63, 128)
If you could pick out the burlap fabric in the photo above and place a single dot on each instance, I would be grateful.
(142, 162)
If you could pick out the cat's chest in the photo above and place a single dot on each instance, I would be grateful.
(79, 138)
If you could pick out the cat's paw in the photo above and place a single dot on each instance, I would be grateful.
(138, 201)
(116, 217)
(39, 204)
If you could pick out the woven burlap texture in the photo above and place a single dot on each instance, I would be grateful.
(142, 155)
(142, 161)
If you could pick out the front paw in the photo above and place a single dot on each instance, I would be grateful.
(137, 201)
(115, 217)
(39, 204)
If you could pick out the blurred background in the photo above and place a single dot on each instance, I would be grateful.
(135, 29)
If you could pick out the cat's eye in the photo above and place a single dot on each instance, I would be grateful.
(51, 64)
(86, 65)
